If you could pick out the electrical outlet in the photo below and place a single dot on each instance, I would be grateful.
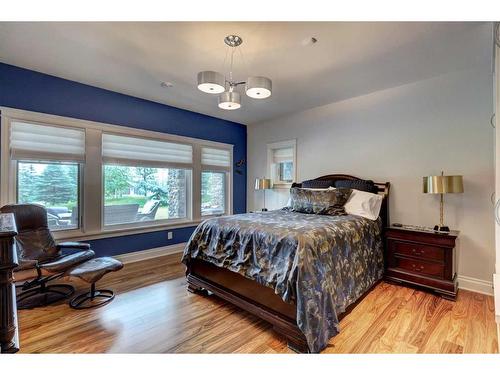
(170, 235)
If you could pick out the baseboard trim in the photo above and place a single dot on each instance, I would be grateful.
(464, 282)
(475, 285)
(137, 256)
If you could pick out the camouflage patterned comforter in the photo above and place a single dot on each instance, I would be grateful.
(322, 263)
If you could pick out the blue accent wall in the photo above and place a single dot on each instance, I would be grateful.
(29, 90)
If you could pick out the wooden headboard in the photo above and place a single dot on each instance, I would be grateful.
(383, 189)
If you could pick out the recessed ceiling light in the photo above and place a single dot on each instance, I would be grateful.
(167, 84)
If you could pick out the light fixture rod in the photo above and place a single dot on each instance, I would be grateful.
(231, 69)
(235, 83)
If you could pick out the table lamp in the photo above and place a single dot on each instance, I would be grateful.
(263, 184)
(442, 185)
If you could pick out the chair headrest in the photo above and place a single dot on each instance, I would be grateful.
(28, 216)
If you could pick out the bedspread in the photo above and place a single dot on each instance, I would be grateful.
(321, 263)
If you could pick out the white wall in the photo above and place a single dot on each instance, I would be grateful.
(399, 135)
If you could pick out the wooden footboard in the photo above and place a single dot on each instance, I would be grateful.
(259, 300)
(250, 296)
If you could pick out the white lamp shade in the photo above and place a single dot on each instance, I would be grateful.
(259, 87)
(211, 82)
(230, 100)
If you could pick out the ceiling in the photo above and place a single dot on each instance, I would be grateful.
(349, 59)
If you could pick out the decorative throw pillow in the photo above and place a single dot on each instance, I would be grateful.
(321, 202)
(317, 184)
(289, 201)
(363, 185)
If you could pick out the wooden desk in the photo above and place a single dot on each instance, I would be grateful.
(9, 335)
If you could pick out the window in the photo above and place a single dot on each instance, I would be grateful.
(142, 194)
(47, 170)
(285, 171)
(281, 163)
(213, 193)
(216, 164)
(53, 185)
(98, 180)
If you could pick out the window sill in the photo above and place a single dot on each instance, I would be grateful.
(277, 186)
(109, 233)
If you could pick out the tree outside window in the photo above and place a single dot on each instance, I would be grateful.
(54, 186)
(136, 194)
(213, 193)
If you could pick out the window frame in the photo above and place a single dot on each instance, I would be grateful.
(229, 182)
(91, 225)
(271, 148)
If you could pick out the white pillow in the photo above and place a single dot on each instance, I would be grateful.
(364, 204)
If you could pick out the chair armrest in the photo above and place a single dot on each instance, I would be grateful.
(26, 264)
(73, 245)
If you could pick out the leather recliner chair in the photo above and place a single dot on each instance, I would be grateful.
(40, 259)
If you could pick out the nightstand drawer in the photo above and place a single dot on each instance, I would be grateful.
(420, 267)
(418, 250)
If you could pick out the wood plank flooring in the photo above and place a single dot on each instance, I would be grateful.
(153, 313)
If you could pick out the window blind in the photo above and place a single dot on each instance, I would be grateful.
(215, 156)
(136, 151)
(43, 142)
(281, 155)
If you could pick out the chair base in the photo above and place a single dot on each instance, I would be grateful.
(94, 298)
(43, 295)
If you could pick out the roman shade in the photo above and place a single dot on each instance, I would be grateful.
(282, 155)
(215, 156)
(44, 142)
(117, 149)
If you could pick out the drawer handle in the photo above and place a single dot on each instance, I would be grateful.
(416, 252)
(419, 268)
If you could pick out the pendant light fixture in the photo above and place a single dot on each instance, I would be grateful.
(211, 82)
(258, 87)
(230, 100)
(216, 83)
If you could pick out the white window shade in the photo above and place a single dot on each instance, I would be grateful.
(136, 151)
(215, 156)
(43, 142)
(281, 155)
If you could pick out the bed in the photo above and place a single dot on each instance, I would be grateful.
(300, 272)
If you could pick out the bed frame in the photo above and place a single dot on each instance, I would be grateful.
(205, 278)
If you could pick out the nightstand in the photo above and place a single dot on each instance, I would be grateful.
(421, 258)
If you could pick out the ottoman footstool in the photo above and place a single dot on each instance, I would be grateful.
(92, 271)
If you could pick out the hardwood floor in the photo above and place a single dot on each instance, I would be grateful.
(154, 313)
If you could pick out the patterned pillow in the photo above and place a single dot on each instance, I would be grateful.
(321, 202)
(317, 184)
(363, 185)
